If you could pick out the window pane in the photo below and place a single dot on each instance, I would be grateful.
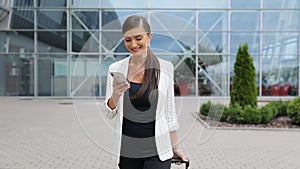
(212, 75)
(51, 3)
(213, 4)
(245, 4)
(23, 3)
(85, 3)
(85, 20)
(17, 41)
(281, 4)
(173, 42)
(114, 19)
(275, 43)
(240, 38)
(213, 20)
(187, 18)
(112, 42)
(124, 4)
(171, 21)
(208, 42)
(85, 41)
(22, 19)
(218, 40)
(238, 21)
(51, 20)
(52, 75)
(86, 72)
(17, 75)
(52, 41)
(172, 4)
(281, 21)
(280, 75)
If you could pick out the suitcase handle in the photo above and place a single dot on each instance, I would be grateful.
(175, 160)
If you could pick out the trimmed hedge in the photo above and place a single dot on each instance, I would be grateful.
(293, 110)
(266, 114)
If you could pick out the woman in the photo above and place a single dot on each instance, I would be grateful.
(144, 104)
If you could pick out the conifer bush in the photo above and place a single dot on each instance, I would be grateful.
(244, 90)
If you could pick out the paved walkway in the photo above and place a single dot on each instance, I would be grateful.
(46, 134)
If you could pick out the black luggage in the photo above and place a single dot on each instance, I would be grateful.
(187, 163)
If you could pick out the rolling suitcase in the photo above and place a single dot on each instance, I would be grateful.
(187, 163)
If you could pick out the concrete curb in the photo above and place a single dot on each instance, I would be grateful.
(207, 126)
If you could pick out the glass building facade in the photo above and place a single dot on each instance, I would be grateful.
(62, 48)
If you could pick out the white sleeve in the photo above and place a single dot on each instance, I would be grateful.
(171, 115)
(110, 113)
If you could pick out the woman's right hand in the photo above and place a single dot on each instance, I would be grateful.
(118, 90)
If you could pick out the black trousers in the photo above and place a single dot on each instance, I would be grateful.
(144, 163)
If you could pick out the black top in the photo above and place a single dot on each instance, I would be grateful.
(138, 128)
(139, 114)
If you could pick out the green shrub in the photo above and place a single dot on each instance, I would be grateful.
(244, 89)
(225, 114)
(205, 108)
(236, 113)
(273, 107)
(293, 110)
(282, 107)
(266, 114)
(252, 115)
(217, 112)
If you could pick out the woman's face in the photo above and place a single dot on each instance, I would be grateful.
(136, 40)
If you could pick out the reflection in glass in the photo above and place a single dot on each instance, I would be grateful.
(170, 22)
(171, 4)
(124, 4)
(17, 75)
(276, 43)
(52, 75)
(17, 41)
(51, 20)
(281, 4)
(218, 41)
(240, 38)
(280, 75)
(51, 3)
(245, 4)
(113, 19)
(23, 2)
(85, 41)
(85, 20)
(22, 19)
(52, 41)
(188, 16)
(213, 4)
(212, 78)
(84, 80)
(85, 3)
(213, 20)
(281, 20)
(238, 21)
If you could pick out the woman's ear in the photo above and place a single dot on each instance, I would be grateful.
(149, 37)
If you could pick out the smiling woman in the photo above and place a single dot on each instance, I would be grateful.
(144, 105)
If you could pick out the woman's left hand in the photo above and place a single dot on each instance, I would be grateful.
(178, 154)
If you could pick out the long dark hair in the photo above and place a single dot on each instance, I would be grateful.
(152, 67)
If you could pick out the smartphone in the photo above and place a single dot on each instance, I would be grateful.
(121, 77)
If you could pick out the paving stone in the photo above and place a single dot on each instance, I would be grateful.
(43, 134)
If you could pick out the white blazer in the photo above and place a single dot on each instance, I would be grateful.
(166, 118)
